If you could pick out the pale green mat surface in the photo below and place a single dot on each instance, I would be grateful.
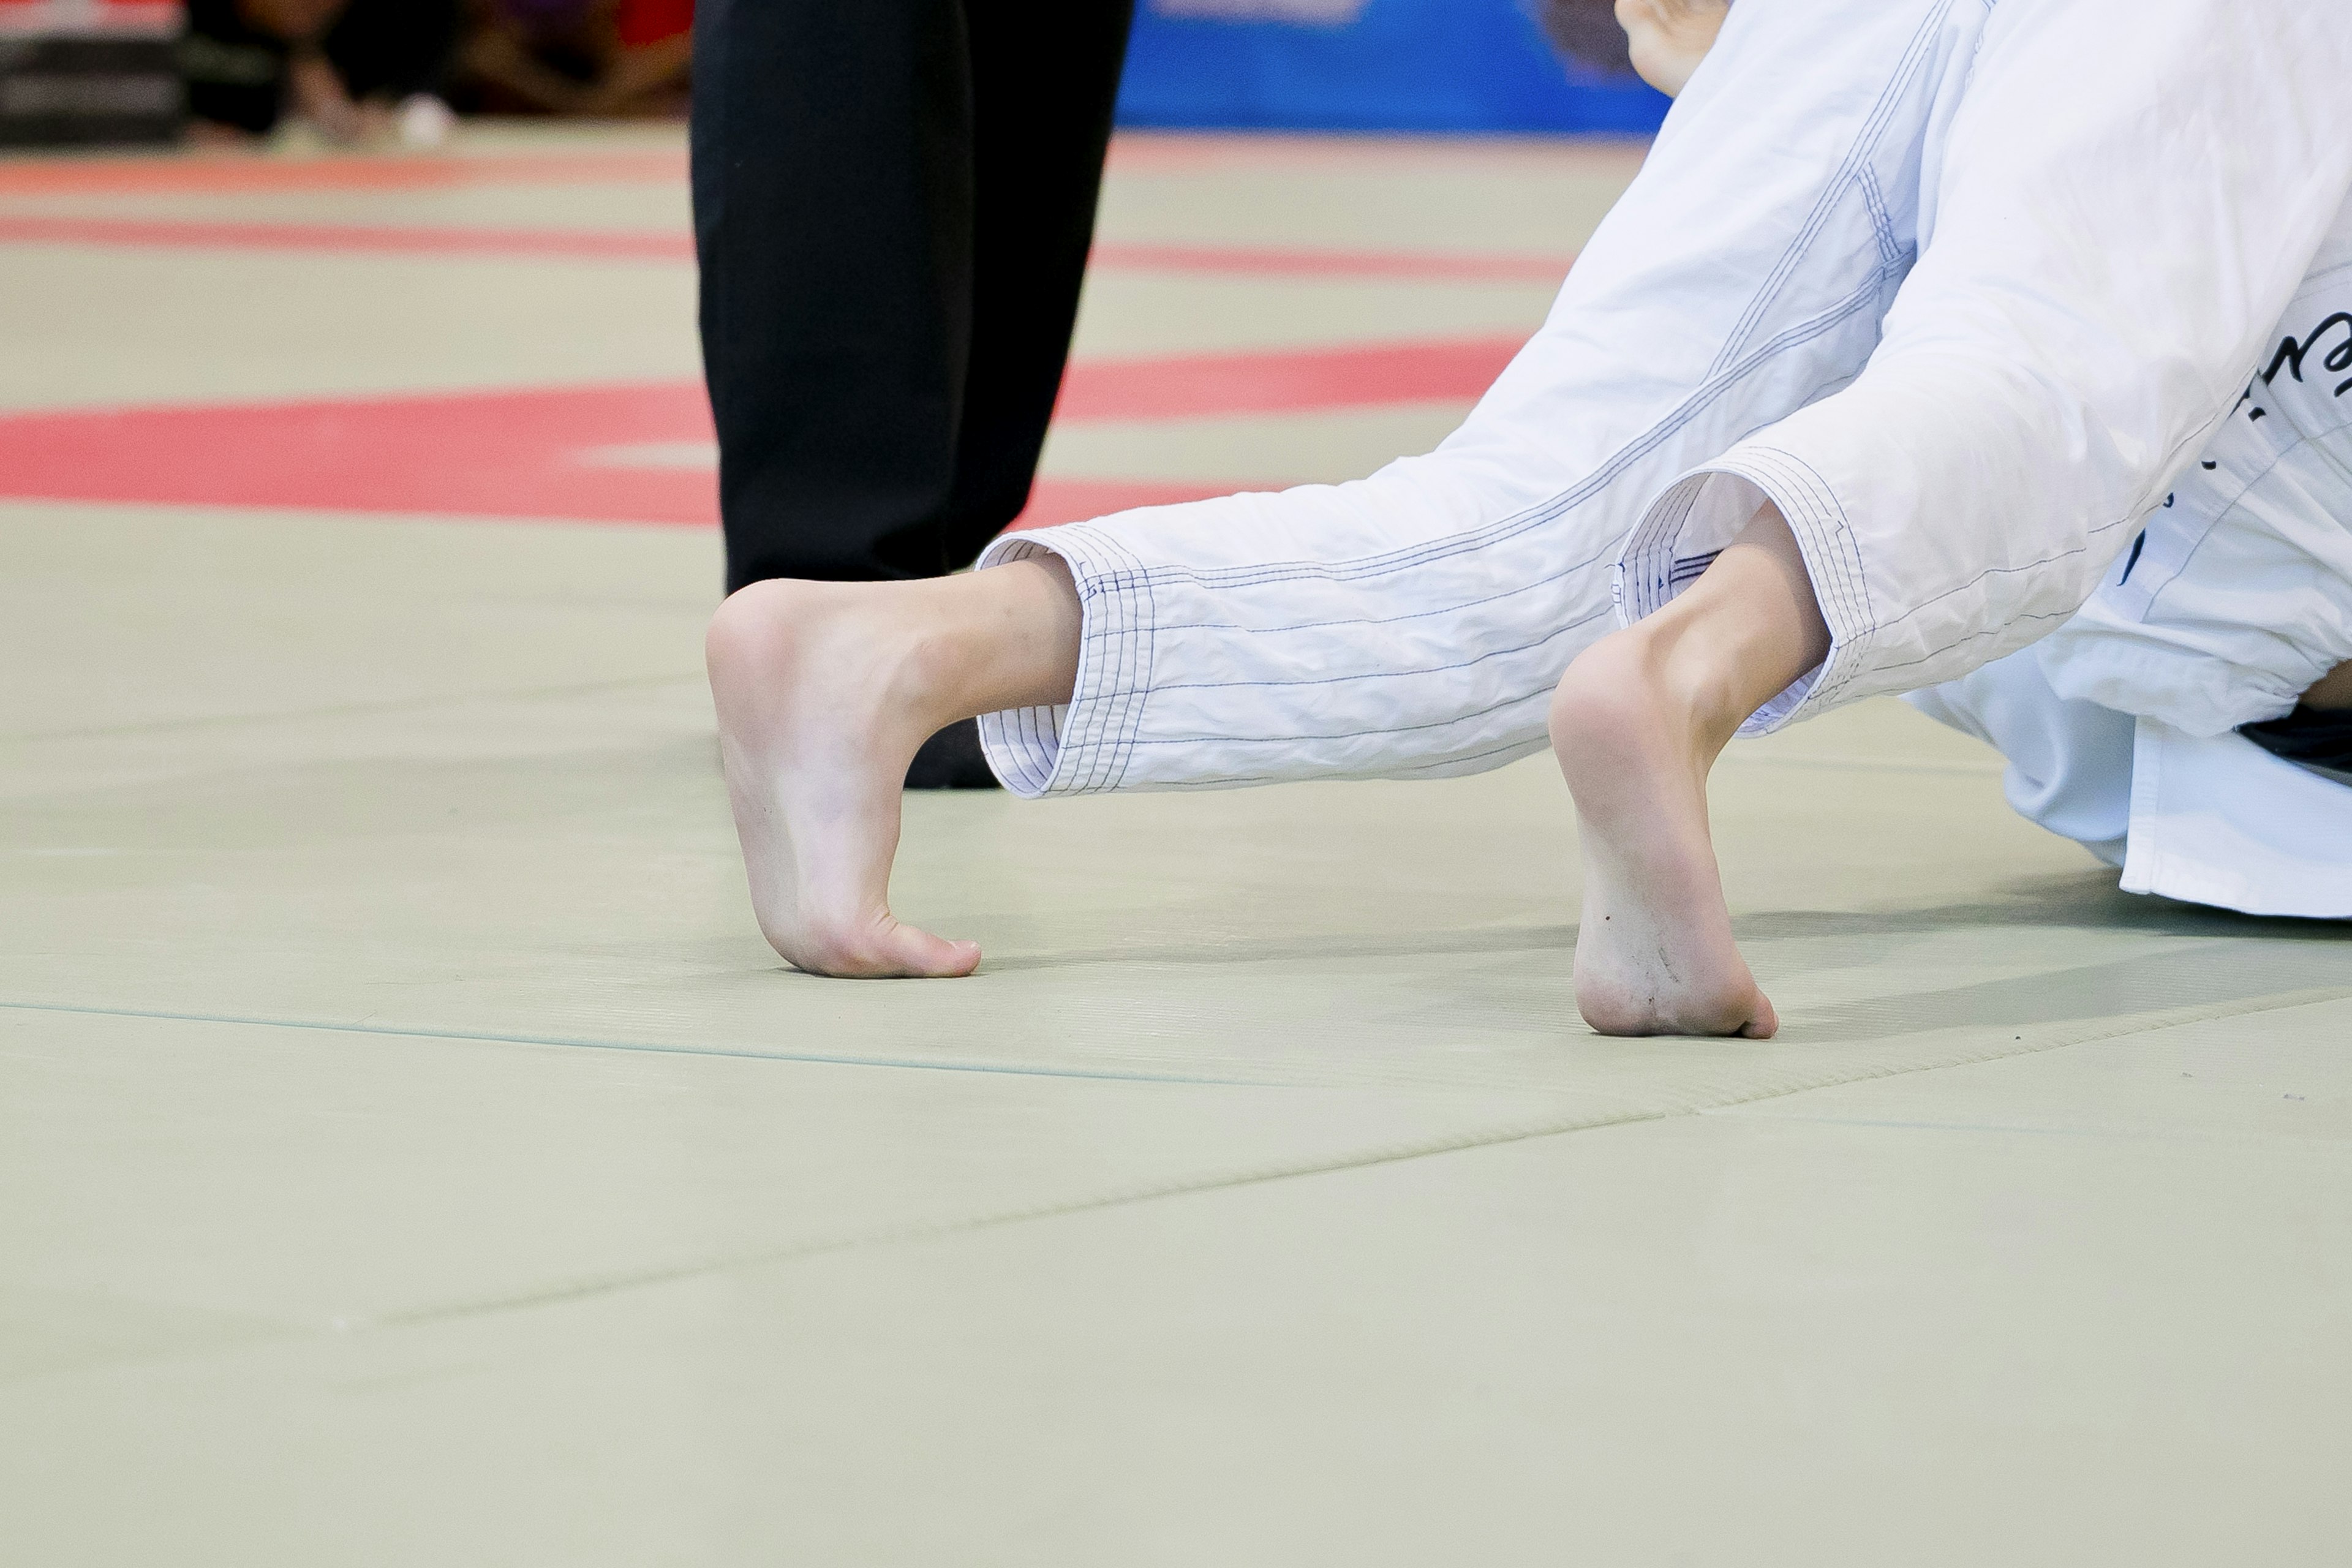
(413, 1154)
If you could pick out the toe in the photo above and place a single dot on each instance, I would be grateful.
(888, 951)
(916, 952)
(1763, 1023)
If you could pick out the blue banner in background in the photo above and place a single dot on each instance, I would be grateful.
(1366, 65)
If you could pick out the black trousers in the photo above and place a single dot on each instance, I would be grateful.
(893, 201)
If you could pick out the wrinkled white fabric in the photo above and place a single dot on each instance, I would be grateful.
(2069, 762)
(1961, 287)
(2231, 602)
(2237, 596)
(2208, 819)
(2217, 820)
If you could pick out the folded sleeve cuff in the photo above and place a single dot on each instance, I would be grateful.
(1688, 526)
(1083, 746)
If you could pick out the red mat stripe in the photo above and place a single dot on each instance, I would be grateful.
(1371, 375)
(545, 452)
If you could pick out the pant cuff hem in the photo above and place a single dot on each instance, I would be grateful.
(1688, 525)
(1083, 746)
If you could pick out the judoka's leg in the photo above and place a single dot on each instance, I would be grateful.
(823, 692)
(1637, 724)
(2032, 396)
(2084, 316)
(1412, 625)
(2069, 760)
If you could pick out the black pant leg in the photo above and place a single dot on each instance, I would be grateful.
(833, 195)
(1045, 82)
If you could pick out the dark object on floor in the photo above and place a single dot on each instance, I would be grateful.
(89, 92)
(2318, 739)
(952, 760)
(893, 202)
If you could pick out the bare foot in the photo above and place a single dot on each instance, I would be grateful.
(825, 691)
(1637, 722)
(1654, 953)
(824, 694)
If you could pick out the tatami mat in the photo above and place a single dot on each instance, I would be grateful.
(412, 1153)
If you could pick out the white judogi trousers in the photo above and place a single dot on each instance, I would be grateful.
(1962, 287)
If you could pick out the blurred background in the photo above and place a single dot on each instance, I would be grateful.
(295, 260)
(402, 71)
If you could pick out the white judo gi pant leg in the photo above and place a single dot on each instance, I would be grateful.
(2204, 819)
(1957, 460)
(2069, 762)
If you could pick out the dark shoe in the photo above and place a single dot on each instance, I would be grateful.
(952, 760)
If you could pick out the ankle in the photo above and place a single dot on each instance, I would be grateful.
(1005, 638)
(1634, 687)
(1688, 678)
(1702, 683)
(935, 676)
(858, 643)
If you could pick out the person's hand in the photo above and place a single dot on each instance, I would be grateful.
(1669, 37)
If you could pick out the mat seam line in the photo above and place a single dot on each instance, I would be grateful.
(325, 1025)
(927, 1231)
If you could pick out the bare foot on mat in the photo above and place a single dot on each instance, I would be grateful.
(822, 700)
(1654, 953)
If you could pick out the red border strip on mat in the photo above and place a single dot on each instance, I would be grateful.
(563, 452)
(523, 455)
(1284, 380)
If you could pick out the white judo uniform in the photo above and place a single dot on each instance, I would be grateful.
(2120, 727)
(1964, 287)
